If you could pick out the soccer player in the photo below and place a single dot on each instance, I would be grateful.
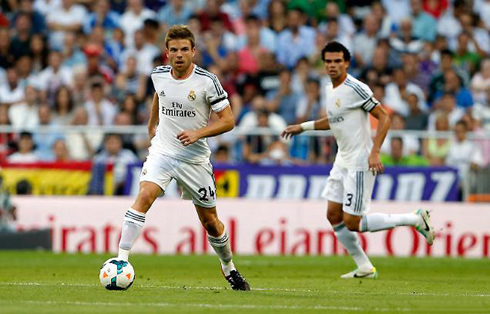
(178, 127)
(351, 181)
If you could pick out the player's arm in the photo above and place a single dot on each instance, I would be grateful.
(294, 129)
(375, 163)
(225, 123)
(153, 121)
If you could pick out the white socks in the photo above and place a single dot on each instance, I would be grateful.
(350, 241)
(132, 226)
(378, 222)
(221, 246)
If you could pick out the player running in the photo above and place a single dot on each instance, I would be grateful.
(178, 127)
(351, 181)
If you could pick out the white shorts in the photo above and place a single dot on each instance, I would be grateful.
(351, 188)
(195, 180)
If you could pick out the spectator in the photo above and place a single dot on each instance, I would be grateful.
(385, 21)
(63, 107)
(222, 155)
(212, 11)
(261, 117)
(448, 24)
(6, 56)
(405, 42)
(398, 91)
(365, 41)
(44, 140)
(101, 15)
(464, 154)
(415, 73)
(11, 92)
(480, 82)
(174, 13)
(452, 85)
(436, 149)
(37, 19)
(60, 151)
(411, 143)
(481, 112)
(397, 10)
(219, 43)
(38, 51)
(284, 101)
(99, 109)
(25, 153)
(72, 54)
(130, 106)
(23, 31)
(296, 41)
(424, 25)
(277, 20)
(6, 139)
(114, 153)
(437, 81)
(333, 33)
(435, 8)
(416, 120)
(277, 154)
(378, 71)
(143, 52)
(24, 115)
(479, 39)
(249, 55)
(267, 39)
(133, 18)
(447, 106)
(82, 145)
(54, 76)
(397, 157)
(465, 59)
(95, 68)
(345, 24)
(68, 18)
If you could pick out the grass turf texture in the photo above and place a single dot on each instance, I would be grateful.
(39, 282)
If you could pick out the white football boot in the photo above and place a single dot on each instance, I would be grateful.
(359, 273)
(424, 226)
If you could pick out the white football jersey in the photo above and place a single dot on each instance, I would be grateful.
(348, 106)
(185, 105)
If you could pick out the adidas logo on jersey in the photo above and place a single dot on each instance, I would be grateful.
(162, 93)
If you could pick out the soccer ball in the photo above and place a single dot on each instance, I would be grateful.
(116, 274)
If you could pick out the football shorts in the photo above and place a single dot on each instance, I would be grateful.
(195, 180)
(351, 188)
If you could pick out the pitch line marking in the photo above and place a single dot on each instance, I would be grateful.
(211, 306)
(164, 287)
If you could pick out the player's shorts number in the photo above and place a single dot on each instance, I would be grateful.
(349, 199)
(204, 194)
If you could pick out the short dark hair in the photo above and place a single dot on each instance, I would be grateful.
(335, 46)
(180, 32)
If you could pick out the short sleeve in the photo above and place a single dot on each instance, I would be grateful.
(215, 94)
(363, 96)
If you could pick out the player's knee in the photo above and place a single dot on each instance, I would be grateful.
(334, 218)
(211, 224)
(145, 199)
(352, 224)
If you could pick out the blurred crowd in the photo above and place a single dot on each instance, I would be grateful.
(87, 63)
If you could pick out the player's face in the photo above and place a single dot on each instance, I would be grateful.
(335, 64)
(180, 54)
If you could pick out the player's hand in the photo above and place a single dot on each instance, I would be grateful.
(375, 164)
(291, 130)
(188, 137)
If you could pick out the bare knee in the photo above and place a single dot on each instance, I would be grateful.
(352, 222)
(334, 217)
(145, 199)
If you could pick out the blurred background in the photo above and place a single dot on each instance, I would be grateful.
(75, 95)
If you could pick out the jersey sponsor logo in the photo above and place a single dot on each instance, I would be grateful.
(162, 93)
(177, 111)
(335, 120)
(191, 96)
(338, 103)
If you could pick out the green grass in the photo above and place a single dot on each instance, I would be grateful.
(37, 282)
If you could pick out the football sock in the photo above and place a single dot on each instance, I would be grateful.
(132, 226)
(378, 222)
(221, 246)
(350, 241)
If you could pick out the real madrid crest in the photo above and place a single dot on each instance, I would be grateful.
(338, 103)
(191, 96)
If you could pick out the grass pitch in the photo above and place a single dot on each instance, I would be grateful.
(37, 282)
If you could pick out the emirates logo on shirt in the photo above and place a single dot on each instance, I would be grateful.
(177, 110)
